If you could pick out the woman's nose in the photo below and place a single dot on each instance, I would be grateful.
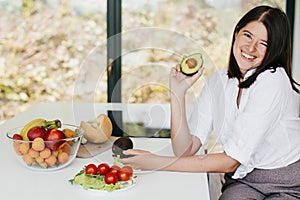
(252, 46)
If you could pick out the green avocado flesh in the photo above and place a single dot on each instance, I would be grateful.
(191, 64)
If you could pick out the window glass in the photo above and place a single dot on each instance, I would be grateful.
(55, 50)
(162, 31)
(42, 47)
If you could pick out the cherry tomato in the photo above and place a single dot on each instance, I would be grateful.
(128, 169)
(125, 173)
(103, 168)
(115, 169)
(111, 178)
(91, 169)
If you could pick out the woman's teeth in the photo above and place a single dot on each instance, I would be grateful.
(247, 56)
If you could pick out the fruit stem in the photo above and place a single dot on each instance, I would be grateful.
(53, 124)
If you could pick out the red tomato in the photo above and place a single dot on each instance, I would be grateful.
(128, 169)
(125, 173)
(91, 169)
(103, 168)
(111, 178)
(115, 169)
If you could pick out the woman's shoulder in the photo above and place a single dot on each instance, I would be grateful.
(217, 78)
(273, 82)
(219, 74)
(275, 77)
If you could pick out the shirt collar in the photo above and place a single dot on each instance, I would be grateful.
(249, 73)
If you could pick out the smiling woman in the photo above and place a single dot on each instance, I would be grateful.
(252, 106)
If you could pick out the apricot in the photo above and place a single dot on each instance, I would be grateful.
(33, 153)
(55, 153)
(39, 159)
(45, 153)
(63, 157)
(51, 160)
(69, 133)
(38, 144)
(65, 147)
(28, 159)
(24, 148)
(43, 164)
(17, 148)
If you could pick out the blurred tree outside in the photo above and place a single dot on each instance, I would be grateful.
(43, 44)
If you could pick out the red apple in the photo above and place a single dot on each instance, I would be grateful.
(52, 138)
(36, 132)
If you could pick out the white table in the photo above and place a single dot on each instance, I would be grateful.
(18, 182)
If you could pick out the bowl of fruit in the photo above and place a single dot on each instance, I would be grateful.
(46, 145)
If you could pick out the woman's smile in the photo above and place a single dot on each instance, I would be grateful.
(247, 56)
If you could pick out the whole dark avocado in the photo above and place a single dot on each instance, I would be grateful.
(121, 144)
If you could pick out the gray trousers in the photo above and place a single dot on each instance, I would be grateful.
(264, 184)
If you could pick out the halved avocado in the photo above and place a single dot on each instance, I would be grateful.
(191, 64)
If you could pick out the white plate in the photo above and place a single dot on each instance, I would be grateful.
(127, 185)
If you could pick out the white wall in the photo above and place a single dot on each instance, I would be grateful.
(296, 45)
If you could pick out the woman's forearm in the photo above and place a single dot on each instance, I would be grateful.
(218, 162)
(182, 140)
(214, 162)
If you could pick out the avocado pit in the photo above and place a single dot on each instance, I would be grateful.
(191, 63)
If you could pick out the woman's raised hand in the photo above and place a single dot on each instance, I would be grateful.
(180, 83)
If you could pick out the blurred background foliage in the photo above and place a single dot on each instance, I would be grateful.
(44, 42)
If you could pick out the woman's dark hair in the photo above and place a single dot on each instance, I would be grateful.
(278, 52)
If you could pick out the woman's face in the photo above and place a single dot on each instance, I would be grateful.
(250, 46)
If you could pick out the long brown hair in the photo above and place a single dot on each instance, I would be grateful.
(278, 54)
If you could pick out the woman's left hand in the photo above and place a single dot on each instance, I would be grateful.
(141, 159)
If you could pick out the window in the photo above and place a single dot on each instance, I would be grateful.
(55, 50)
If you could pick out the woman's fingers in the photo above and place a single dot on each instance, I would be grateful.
(178, 67)
(135, 152)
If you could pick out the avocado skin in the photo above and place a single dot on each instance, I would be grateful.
(121, 144)
(189, 74)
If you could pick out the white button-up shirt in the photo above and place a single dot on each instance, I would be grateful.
(263, 131)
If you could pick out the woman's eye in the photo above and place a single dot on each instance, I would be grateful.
(247, 35)
(264, 44)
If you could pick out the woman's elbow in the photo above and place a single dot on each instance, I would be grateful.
(233, 167)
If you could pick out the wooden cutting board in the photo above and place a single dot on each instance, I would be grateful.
(90, 149)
